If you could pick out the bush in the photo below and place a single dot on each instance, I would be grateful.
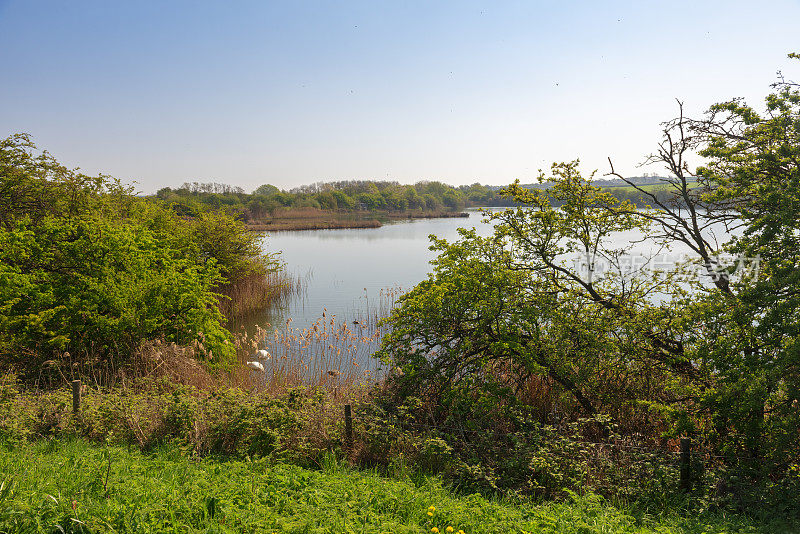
(298, 427)
(88, 271)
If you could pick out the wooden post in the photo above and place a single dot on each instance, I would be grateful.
(686, 464)
(76, 396)
(348, 428)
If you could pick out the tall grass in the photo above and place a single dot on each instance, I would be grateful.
(331, 353)
(327, 354)
(373, 310)
(256, 291)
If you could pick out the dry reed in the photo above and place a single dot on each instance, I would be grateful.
(315, 224)
(331, 354)
(257, 291)
(162, 359)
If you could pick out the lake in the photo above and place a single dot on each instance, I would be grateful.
(349, 278)
(347, 272)
(326, 334)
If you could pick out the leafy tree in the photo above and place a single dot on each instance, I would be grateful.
(716, 355)
(343, 201)
(498, 310)
(753, 171)
(88, 271)
(266, 190)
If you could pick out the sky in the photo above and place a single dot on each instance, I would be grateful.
(289, 93)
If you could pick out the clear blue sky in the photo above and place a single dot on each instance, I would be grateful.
(295, 92)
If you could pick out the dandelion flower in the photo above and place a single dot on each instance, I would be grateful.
(435, 530)
(449, 529)
(432, 508)
(460, 532)
(430, 513)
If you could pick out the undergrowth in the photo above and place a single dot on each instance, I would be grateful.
(76, 487)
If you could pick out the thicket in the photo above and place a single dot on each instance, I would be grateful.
(303, 426)
(346, 196)
(551, 318)
(88, 271)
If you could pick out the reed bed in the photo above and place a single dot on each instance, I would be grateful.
(333, 354)
(374, 310)
(314, 224)
(313, 219)
(257, 291)
(328, 354)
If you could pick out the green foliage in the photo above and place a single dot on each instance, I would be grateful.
(78, 488)
(266, 190)
(225, 241)
(753, 161)
(228, 423)
(99, 287)
(88, 271)
(195, 199)
(510, 324)
(487, 321)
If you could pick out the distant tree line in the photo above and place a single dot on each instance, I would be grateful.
(194, 198)
(344, 196)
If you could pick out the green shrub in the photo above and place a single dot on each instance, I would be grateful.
(88, 271)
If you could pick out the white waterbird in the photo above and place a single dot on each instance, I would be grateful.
(255, 365)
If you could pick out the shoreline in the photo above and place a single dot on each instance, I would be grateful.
(290, 224)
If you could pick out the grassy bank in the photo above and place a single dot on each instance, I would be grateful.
(77, 487)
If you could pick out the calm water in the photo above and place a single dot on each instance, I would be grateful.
(346, 271)
(348, 276)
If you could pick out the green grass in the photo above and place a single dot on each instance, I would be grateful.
(78, 487)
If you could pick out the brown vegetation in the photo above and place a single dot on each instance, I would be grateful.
(256, 291)
(313, 219)
(299, 224)
(317, 219)
(417, 214)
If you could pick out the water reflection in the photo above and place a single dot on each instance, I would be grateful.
(346, 270)
(326, 333)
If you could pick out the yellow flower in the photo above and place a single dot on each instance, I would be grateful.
(432, 508)
(460, 532)
(430, 513)
(435, 530)
(449, 529)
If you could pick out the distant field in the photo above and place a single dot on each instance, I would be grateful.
(76, 487)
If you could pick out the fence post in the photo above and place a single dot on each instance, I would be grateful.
(686, 464)
(76, 396)
(348, 428)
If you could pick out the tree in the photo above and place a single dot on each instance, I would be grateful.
(498, 310)
(550, 293)
(88, 271)
(267, 190)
